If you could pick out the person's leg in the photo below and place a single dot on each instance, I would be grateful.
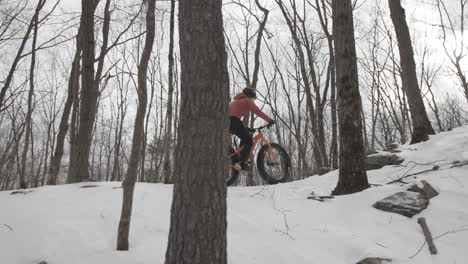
(247, 142)
(237, 128)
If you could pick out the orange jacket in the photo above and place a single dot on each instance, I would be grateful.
(241, 105)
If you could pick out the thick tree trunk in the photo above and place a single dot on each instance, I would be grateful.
(138, 132)
(198, 217)
(89, 94)
(421, 125)
(352, 174)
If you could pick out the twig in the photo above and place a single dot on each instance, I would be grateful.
(409, 175)
(260, 192)
(380, 245)
(405, 175)
(285, 219)
(9, 227)
(416, 163)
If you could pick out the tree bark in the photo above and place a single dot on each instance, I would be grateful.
(421, 125)
(138, 132)
(198, 216)
(352, 173)
(89, 94)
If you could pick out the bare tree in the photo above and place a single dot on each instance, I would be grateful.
(167, 168)
(73, 84)
(9, 78)
(322, 7)
(315, 100)
(455, 28)
(138, 132)
(30, 98)
(89, 94)
(198, 216)
(352, 173)
(422, 127)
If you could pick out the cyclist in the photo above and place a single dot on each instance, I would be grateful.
(242, 104)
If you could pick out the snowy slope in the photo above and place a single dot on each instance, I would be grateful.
(267, 224)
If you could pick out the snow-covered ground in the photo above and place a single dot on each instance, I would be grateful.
(266, 224)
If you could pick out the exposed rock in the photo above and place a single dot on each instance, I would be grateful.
(324, 170)
(379, 160)
(406, 203)
(425, 189)
(375, 261)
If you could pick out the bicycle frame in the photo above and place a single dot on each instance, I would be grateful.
(258, 138)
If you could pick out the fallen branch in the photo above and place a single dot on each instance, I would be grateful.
(412, 174)
(460, 164)
(427, 235)
(439, 236)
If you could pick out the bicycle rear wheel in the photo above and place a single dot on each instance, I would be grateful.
(232, 174)
(273, 165)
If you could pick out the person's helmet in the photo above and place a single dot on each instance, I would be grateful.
(249, 92)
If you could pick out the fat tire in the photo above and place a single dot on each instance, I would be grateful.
(284, 159)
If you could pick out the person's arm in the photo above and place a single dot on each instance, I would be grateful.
(254, 108)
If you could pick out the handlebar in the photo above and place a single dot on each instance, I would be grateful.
(259, 129)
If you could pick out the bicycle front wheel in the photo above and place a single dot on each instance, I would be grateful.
(274, 165)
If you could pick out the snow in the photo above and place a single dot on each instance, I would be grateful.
(274, 224)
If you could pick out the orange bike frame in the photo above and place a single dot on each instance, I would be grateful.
(256, 139)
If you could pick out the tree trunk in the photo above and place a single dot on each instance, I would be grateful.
(89, 94)
(22, 175)
(73, 126)
(421, 125)
(321, 8)
(138, 132)
(352, 173)
(333, 111)
(167, 168)
(73, 83)
(198, 216)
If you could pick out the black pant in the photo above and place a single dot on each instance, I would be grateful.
(237, 128)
